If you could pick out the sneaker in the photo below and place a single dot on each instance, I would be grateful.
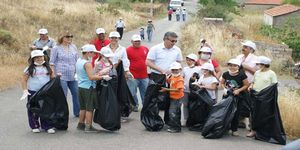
(235, 133)
(123, 120)
(251, 134)
(51, 131)
(90, 129)
(36, 130)
(136, 109)
(80, 126)
(173, 130)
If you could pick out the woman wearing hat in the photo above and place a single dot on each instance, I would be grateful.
(62, 61)
(150, 29)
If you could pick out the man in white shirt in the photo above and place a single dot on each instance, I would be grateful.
(120, 26)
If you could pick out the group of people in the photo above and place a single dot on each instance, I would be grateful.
(179, 13)
(49, 59)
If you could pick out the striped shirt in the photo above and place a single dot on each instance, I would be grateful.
(64, 61)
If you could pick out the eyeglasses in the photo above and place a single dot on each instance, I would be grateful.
(173, 41)
(69, 36)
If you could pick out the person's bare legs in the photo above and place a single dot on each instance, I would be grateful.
(82, 115)
(88, 117)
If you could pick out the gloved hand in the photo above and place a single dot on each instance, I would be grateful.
(104, 71)
(225, 91)
(25, 95)
(106, 77)
(45, 48)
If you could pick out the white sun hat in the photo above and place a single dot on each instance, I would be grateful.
(36, 53)
(175, 65)
(136, 37)
(264, 60)
(114, 34)
(234, 61)
(192, 56)
(43, 31)
(100, 30)
(205, 49)
(106, 52)
(88, 48)
(208, 66)
(249, 44)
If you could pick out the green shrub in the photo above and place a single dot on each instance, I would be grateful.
(6, 37)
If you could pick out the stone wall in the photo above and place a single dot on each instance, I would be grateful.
(280, 51)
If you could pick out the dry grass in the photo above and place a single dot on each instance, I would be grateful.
(290, 111)
(23, 18)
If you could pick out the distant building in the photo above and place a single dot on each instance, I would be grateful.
(277, 16)
(261, 5)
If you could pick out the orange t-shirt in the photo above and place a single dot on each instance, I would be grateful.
(176, 83)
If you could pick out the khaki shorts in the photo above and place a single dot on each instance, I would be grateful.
(87, 98)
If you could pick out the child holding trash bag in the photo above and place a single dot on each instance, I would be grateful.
(103, 64)
(263, 78)
(176, 94)
(236, 82)
(208, 80)
(188, 72)
(87, 88)
(35, 76)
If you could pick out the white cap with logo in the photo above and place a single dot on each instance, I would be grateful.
(88, 48)
(114, 34)
(249, 44)
(106, 52)
(136, 37)
(192, 56)
(208, 66)
(205, 49)
(36, 53)
(43, 31)
(264, 60)
(175, 65)
(100, 30)
(234, 61)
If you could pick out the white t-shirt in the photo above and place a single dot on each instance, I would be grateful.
(208, 81)
(188, 73)
(120, 54)
(120, 24)
(163, 57)
(250, 61)
(39, 79)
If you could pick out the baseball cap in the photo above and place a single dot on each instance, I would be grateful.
(205, 49)
(88, 48)
(43, 31)
(192, 56)
(175, 65)
(264, 60)
(106, 52)
(249, 44)
(100, 30)
(136, 37)
(208, 66)
(36, 53)
(114, 34)
(234, 61)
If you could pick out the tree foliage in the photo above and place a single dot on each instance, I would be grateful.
(294, 2)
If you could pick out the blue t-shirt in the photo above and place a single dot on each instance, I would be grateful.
(40, 78)
(83, 79)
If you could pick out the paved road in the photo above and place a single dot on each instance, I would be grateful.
(16, 135)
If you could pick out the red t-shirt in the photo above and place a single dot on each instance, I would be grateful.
(137, 58)
(99, 44)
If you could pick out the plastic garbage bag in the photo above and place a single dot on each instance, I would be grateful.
(199, 105)
(266, 116)
(50, 104)
(150, 112)
(220, 118)
(107, 112)
(162, 97)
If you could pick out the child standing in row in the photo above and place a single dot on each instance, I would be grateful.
(35, 76)
(235, 81)
(103, 64)
(142, 33)
(176, 94)
(188, 72)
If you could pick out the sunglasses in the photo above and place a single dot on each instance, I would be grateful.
(173, 41)
(69, 36)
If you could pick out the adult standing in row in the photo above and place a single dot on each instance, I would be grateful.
(150, 29)
(43, 43)
(120, 26)
(100, 42)
(62, 61)
(137, 55)
(183, 12)
(170, 13)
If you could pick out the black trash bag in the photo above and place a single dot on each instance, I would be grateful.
(266, 119)
(50, 104)
(124, 96)
(107, 112)
(199, 105)
(173, 119)
(245, 105)
(220, 117)
(162, 97)
(150, 112)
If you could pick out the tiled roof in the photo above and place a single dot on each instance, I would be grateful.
(281, 10)
(264, 2)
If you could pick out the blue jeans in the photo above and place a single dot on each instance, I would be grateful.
(73, 86)
(149, 33)
(142, 84)
(177, 17)
(183, 17)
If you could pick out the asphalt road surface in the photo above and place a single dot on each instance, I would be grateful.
(15, 133)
